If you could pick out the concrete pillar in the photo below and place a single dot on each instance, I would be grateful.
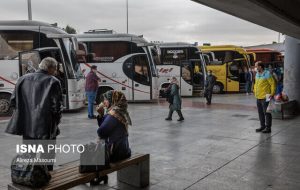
(291, 81)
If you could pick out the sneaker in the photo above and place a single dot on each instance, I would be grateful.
(267, 130)
(168, 119)
(259, 129)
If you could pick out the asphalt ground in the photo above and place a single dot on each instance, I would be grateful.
(214, 148)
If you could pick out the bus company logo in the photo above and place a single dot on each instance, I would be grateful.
(165, 70)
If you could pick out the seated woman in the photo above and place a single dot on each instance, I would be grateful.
(113, 121)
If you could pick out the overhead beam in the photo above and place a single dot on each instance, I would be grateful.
(278, 15)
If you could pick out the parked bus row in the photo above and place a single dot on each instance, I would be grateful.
(126, 62)
(229, 62)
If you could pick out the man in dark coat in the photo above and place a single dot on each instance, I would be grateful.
(37, 100)
(174, 100)
(209, 85)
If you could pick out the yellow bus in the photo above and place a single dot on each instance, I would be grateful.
(227, 63)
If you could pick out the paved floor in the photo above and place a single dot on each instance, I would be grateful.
(215, 148)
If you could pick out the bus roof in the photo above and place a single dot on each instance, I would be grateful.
(262, 50)
(112, 37)
(30, 25)
(175, 44)
(222, 48)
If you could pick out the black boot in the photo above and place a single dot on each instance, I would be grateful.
(169, 118)
(180, 115)
(267, 130)
(260, 129)
(98, 180)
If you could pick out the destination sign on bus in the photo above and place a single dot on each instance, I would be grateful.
(175, 51)
(106, 59)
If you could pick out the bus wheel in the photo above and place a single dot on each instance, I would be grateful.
(100, 91)
(5, 109)
(218, 88)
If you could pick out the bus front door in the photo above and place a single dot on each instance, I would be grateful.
(186, 78)
(141, 84)
(29, 63)
(232, 79)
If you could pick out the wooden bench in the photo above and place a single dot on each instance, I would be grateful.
(285, 108)
(133, 171)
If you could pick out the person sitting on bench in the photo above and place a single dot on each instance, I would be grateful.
(113, 121)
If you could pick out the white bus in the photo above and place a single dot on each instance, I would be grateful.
(24, 36)
(124, 62)
(185, 62)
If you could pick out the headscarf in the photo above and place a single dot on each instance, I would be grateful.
(118, 106)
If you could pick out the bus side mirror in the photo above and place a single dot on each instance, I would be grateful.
(81, 56)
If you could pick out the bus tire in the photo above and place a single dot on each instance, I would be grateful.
(218, 88)
(5, 109)
(100, 91)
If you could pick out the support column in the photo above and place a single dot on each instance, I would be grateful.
(291, 81)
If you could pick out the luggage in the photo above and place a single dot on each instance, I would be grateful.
(94, 158)
(169, 97)
(26, 171)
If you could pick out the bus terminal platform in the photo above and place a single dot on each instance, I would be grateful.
(214, 148)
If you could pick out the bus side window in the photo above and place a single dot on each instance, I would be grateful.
(186, 73)
(140, 69)
(12, 42)
(137, 69)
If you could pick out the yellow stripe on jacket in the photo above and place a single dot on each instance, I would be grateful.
(264, 84)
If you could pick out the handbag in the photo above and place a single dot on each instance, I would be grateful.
(205, 93)
(25, 171)
(95, 157)
(169, 97)
(271, 107)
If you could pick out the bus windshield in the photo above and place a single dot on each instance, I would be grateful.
(156, 60)
(74, 61)
(174, 56)
(70, 56)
